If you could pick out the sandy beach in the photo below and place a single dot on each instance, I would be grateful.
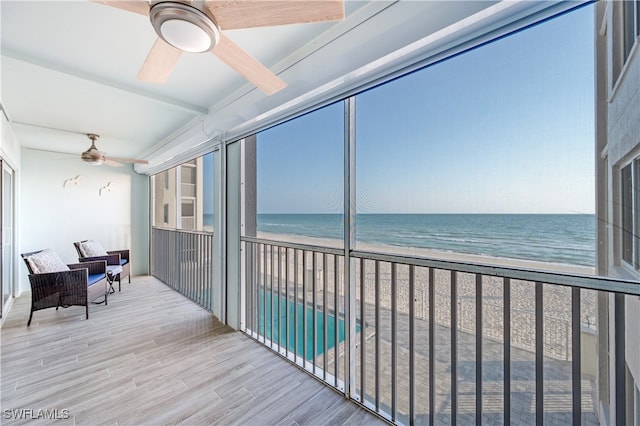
(433, 254)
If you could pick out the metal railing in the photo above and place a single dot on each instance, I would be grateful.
(434, 341)
(184, 261)
(293, 297)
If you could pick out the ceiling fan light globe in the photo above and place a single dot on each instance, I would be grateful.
(184, 27)
(185, 36)
(93, 162)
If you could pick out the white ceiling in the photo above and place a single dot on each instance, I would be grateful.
(69, 68)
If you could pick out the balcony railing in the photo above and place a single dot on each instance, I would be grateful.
(422, 341)
(184, 261)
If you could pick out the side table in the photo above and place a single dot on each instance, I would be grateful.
(113, 273)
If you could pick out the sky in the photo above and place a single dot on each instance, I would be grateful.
(505, 128)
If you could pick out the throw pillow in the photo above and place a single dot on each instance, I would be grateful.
(93, 248)
(46, 261)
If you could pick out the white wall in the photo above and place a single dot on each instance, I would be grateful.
(54, 217)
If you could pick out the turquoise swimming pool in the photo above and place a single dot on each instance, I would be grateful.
(280, 325)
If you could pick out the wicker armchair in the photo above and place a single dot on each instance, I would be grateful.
(80, 285)
(112, 257)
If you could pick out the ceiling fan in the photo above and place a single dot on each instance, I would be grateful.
(196, 26)
(96, 157)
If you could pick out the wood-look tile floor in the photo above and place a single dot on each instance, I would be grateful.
(152, 357)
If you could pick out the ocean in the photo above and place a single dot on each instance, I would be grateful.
(555, 238)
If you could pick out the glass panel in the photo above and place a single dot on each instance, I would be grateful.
(208, 193)
(300, 179)
(187, 208)
(7, 232)
(627, 213)
(485, 157)
(184, 198)
(638, 33)
(628, 28)
(193, 184)
(165, 199)
(636, 216)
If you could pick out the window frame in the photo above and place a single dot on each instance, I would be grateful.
(630, 205)
(625, 40)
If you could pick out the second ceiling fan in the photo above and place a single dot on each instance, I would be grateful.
(96, 157)
(184, 26)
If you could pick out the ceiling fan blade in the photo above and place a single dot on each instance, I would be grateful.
(52, 152)
(112, 163)
(135, 6)
(160, 62)
(238, 14)
(246, 65)
(125, 160)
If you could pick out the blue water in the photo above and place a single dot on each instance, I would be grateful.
(284, 335)
(555, 238)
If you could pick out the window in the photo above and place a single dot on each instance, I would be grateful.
(188, 211)
(300, 178)
(630, 26)
(185, 198)
(484, 154)
(637, 405)
(630, 203)
(626, 30)
(627, 214)
(633, 399)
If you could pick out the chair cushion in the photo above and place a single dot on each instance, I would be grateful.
(92, 248)
(123, 262)
(94, 278)
(46, 261)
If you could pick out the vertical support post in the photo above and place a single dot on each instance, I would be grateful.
(478, 349)
(432, 346)
(271, 260)
(454, 347)
(506, 294)
(264, 293)
(576, 376)
(279, 317)
(325, 318)
(349, 241)
(363, 360)
(222, 231)
(286, 305)
(336, 323)
(304, 308)
(539, 355)
(377, 305)
(248, 282)
(314, 325)
(295, 304)
(619, 368)
(256, 275)
(394, 341)
(411, 345)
